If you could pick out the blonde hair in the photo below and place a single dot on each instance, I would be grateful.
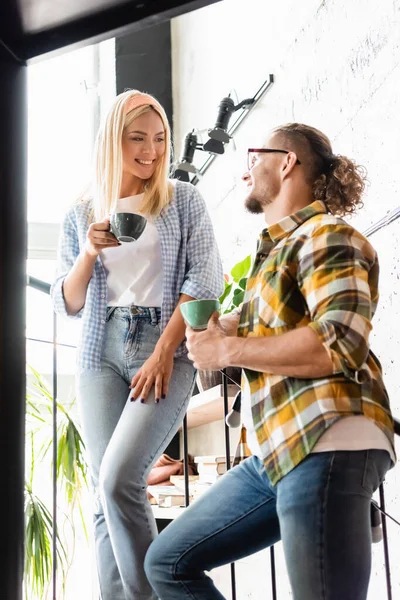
(108, 163)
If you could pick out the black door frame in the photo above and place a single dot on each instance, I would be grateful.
(16, 50)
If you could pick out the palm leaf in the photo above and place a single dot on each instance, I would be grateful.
(71, 470)
(38, 547)
(71, 462)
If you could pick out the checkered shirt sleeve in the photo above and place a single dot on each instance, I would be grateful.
(338, 275)
(204, 275)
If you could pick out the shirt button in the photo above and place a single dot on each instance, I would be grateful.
(102, 321)
(102, 295)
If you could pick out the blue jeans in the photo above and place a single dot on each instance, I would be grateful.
(123, 440)
(320, 511)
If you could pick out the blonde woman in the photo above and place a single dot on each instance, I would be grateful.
(134, 377)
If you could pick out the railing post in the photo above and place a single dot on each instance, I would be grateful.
(186, 460)
(228, 462)
(273, 572)
(385, 542)
(55, 449)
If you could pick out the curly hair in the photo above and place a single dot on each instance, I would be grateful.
(335, 179)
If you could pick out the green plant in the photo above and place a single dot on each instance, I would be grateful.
(71, 472)
(231, 298)
(235, 285)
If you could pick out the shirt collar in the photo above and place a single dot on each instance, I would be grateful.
(288, 224)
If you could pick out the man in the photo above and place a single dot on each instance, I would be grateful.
(313, 400)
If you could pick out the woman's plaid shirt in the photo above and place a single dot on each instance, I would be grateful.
(313, 270)
(190, 261)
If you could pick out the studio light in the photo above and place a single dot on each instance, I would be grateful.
(184, 167)
(219, 135)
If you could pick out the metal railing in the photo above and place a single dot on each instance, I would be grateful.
(44, 287)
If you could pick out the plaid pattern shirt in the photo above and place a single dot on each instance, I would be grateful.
(190, 258)
(314, 270)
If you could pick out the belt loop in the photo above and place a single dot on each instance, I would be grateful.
(109, 312)
(153, 315)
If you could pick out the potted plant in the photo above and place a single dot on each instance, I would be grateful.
(72, 481)
(235, 286)
(231, 298)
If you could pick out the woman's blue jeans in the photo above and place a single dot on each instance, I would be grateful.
(320, 511)
(123, 440)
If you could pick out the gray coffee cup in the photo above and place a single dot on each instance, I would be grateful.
(127, 227)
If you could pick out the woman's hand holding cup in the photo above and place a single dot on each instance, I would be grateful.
(99, 238)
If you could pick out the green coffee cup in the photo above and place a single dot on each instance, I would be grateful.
(196, 313)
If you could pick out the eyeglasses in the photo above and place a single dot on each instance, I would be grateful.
(252, 155)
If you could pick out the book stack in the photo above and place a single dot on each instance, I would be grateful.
(179, 482)
(166, 495)
(210, 469)
(171, 495)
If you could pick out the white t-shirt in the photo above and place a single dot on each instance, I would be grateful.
(134, 269)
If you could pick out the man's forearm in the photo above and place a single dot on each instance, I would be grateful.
(297, 353)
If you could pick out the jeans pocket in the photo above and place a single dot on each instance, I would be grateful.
(377, 463)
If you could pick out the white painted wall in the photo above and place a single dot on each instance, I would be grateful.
(336, 67)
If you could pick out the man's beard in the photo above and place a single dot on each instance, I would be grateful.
(253, 205)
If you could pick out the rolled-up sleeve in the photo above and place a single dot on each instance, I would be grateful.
(338, 277)
(68, 251)
(204, 274)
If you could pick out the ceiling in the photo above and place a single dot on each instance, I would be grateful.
(33, 28)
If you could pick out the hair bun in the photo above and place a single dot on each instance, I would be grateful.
(333, 161)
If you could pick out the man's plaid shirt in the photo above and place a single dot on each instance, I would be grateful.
(314, 270)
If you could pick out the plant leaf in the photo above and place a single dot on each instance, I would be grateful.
(225, 293)
(241, 269)
(242, 283)
(238, 299)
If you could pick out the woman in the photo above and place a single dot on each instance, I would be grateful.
(134, 377)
